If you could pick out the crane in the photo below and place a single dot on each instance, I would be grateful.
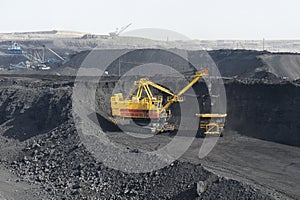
(118, 32)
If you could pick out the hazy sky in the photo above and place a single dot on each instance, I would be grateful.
(197, 19)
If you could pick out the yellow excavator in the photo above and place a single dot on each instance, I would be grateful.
(144, 105)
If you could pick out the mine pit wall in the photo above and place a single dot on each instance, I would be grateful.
(265, 111)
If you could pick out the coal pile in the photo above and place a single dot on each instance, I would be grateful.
(265, 111)
(242, 64)
(30, 106)
(59, 162)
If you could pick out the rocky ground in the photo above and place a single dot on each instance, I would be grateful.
(66, 170)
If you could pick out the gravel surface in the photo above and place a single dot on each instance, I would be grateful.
(61, 164)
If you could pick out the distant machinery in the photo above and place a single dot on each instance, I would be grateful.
(15, 48)
(38, 60)
(90, 36)
(20, 65)
(56, 54)
(35, 57)
(118, 32)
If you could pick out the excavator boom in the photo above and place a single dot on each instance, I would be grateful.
(198, 76)
(177, 98)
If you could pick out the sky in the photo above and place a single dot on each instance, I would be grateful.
(196, 19)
